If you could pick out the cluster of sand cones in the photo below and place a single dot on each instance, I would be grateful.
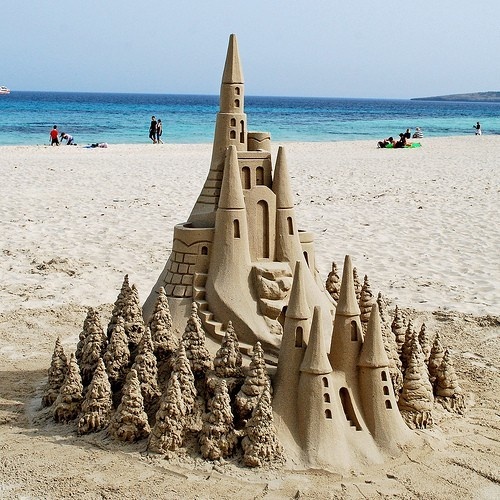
(147, 381)
(421, 369)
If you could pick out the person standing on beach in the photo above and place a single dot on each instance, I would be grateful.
(54, 136)
(159, 131)
(152, 129)
(477, 126)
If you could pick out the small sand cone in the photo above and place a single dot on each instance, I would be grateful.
(448, 392)
(130, 422)
(435, 359)
(260, 443)
(425, 342)
(165, 341)
(416, 400)
(357, 284)
(194, 343)
(117, 356)
(410, 334)
(398, 327)
(56, 374)
(170, 422)
(93, 348)
(147, 373)
(68, 403)
(97, 405)
(217, 437)
(332, 284)
(83, 334)
(134, 321)
(120, 303)
(383, 303)
(192, 403)
(366, 301)
(256, 380)
(228, 360)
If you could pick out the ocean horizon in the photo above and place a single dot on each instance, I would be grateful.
(26, 117)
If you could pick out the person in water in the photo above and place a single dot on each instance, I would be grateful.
(477, 126)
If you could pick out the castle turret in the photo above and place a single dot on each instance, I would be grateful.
(321, 423)
(293, 346)
(227, 289)
(230, 130)
(380, 408)
(288, 243)
(347, 337)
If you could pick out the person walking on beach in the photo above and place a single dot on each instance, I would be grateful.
(159, 131)
(54, 136)
(152, 129)
(477, 126)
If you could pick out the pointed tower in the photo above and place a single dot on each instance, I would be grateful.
(347, 337)
(290, 248)
(293, 346)
(230, 130)
(321, 425)
(227, 289)
(380, 408)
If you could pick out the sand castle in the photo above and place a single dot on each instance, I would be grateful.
(329, 379)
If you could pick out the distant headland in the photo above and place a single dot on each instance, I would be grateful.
(490, 96)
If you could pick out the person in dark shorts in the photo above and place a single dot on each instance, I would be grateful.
(54, 136)
(152, 129)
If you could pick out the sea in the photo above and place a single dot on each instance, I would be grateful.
(26, 118)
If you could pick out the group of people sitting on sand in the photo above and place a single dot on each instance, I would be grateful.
(403, 141)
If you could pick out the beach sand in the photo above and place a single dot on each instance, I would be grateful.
(422, 223)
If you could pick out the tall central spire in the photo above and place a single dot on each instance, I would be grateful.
(230, 130)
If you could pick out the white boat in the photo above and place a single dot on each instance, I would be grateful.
(4, 90)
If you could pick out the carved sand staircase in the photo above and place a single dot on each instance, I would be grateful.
(214, 328)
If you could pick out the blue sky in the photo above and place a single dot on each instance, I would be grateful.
(293, 48)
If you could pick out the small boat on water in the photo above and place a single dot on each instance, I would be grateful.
(4, 90)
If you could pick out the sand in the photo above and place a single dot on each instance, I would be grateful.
(421, 223)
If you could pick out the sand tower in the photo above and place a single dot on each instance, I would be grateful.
(235, 256)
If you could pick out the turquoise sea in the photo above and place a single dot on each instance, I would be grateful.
(27, 117)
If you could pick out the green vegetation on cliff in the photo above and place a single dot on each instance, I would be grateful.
(490, 96)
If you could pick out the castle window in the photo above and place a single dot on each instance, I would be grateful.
(290, 225)
(242, 132)
(237, 103)
(233, 122)
(328, 414)
(388, 404)
(262, 218)
(259, 176)
(232, 134)
(306, 256)
(237, 91)
(354, 331)
(384, 375)
(236, 228)
(326, 397)
(325, 382)
(299, 334)
(245, 173)
(204, 250)
(386, 390)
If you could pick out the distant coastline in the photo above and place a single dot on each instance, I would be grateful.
(490, 96)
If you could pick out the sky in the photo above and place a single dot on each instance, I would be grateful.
(321, 48)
